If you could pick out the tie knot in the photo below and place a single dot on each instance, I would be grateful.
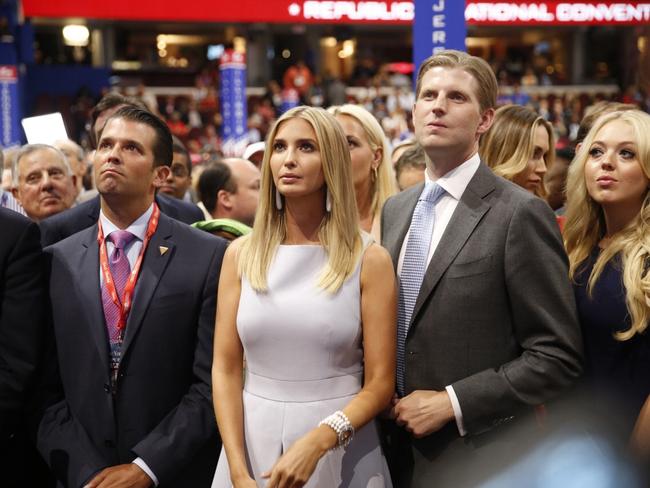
(432, 192)
(120, 238)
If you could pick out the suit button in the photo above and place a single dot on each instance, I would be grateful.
(109, 443)
(120, 375)
(412, 353)
(107, 388)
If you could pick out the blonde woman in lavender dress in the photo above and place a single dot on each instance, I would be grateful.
(310, 301)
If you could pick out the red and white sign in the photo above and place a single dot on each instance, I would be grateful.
(557, 13)
(8, 73)
(343, 11)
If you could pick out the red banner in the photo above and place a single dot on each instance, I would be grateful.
(348, 11)
(557, 13)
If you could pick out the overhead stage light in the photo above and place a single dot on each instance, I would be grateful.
(76, 35)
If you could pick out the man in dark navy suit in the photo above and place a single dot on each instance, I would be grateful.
(133, 306)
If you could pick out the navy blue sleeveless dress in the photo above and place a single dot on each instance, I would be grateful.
(616, 371)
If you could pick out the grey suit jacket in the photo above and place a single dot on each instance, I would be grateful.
(495, 316)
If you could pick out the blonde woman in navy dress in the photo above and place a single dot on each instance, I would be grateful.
(607, 235)
(310, 301)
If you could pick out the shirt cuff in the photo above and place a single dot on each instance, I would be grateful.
(458, 413)
(140, 462)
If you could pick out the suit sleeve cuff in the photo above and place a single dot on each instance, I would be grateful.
(143, 466)
(458, 413)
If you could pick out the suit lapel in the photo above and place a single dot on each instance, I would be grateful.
(153, 267)
(401, 224)
(468, 214)
(91, 295)
(93, 209)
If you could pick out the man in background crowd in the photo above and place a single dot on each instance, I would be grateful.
(255, 153)
(44, 183)
(230, 189)
(179, 181)
(410, 167)
(7, 200)
(77, 160)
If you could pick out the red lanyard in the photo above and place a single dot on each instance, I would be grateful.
(124, 305)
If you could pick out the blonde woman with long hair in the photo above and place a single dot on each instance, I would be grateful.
(519, 146)
(607, 236)
(372, 173)
(311, 301)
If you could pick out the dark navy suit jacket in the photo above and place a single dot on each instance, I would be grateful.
(161, 409)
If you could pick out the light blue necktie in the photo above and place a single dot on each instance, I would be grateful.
(414, 266)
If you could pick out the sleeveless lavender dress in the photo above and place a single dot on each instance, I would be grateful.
(304, 361)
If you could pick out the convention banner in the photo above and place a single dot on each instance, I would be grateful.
(10, 116)
(233, 103)
(438, 25)
(388, 12)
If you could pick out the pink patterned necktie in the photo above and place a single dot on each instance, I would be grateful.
(120, 270)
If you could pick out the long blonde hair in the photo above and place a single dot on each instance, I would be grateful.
(585, 226)
(509, 144)
(383, 186)
(339, 231)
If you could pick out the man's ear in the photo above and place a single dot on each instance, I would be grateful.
(224, 200)
(14, 192)
(161, 173)
(486, 121)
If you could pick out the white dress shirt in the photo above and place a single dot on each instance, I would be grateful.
(454, 183)
(139, 230)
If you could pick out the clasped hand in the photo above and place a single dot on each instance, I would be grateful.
(121, 476)
(422, 412)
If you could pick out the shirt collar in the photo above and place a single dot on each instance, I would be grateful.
(137, 228)
(455, 181)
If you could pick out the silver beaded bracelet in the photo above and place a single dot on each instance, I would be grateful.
(341, 425)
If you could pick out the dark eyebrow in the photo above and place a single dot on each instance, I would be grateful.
(123, 142)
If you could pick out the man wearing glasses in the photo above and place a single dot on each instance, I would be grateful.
(180, 177)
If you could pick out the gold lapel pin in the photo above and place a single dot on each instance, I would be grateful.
(163, 250)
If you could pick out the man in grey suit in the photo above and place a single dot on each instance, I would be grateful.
(488, 328)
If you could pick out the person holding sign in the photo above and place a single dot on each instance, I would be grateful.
(133, 305)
